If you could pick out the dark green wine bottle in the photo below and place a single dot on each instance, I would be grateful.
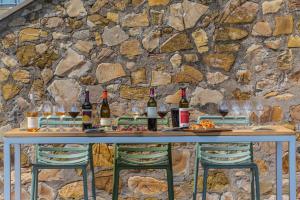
(152, 112)
(87, 112)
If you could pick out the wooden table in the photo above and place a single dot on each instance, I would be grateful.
(279, 135)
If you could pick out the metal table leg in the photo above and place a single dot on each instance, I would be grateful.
(279, 170)
(17, 171)
(6, 170)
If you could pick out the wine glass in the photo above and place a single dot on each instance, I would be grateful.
(59, 110)
(47, 112)
(259, 110)
(247, 107)
(223, 109)
(236, 110)
(74, 112)
(162, 111)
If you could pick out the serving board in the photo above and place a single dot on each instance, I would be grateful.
(208, 130)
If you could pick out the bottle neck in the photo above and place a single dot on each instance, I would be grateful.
(151, 93)
(183, 93)
(104, 96)
(87, 96)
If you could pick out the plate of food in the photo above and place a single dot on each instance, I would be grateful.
(205, 126)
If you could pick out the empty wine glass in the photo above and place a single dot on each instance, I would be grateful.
(136, 113)
(74, 112)
(259, 110)
(247, 107)
(59, 110)
(223, 109)
(47, 112)
(236, 110)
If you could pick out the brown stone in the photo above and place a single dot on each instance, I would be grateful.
(285, 60)
(26, 54)
(96, 19)
(9, 40)
(46, 192)
(75, 24)
(262, 166)
(136, 93)
(21, 75)
(201, 40)
(271, 6)
(102, 154)
(138, 76)
(151, 40)
(31, 34)
(121, 4)
(146, 185)
(295, 77)
(241, 95)
(51, 175)
(104, 180)
(181, 162)
(223, 61)
(273, 44)
(221, 48)
(191, 57)
(216, 78)
(47, 59)
(112, 16)
(158, 2)
(188, 74)
(179, 41)
(98, 38)
(294, 41)
(285, 163)
(295, 112)
(98, 5)
(283, 25)
(37, 89)
(262, 29)
(277, 114)
(84, 46)
(243, 76)
(54, 22)
(10, 90)
(135, 20)
(230, 33)
(217, 182)
(87, 80)
(173, 98)
(4, 74)
(131, 48)
(243, 14)
(109, 71)
(75, 8)
(160, 78)
(71, 191)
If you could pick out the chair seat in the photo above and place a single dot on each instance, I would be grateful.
(62, 163)
(247, 162)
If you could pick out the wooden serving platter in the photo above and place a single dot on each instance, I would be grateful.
(208, 130)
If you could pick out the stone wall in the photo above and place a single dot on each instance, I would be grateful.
(236, 49)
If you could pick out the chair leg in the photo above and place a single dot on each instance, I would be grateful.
(170, 183)
(257, 183)
(115, 193)
(196, 178)
(252, 184)
(85, 183)
(205, 176)
(93, 173)
(34, 184)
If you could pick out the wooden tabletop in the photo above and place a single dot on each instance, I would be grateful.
(277, 130)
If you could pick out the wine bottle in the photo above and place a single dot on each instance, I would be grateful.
(87, 112)
(105, 111)
(183, 110)
(32, 116)
(152, 112)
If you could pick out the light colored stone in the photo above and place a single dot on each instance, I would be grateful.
(271, 6)
(84, 46)
(81, 71)
(131, 48)
(191, 57)
(51, 175)
(71, 191)
(262, 29)
(4, 74)
(59, 36)
(109, 71)
(188, 74)
(203, 96)
(294, 41)
(9, 40)
(41, 48)
(54, 22)
(21, 75)
(230, 33)
(146, 185)
(273, 44)
(176, 60)
(185, 15)
(47, 75)
(95, 95)
(151, 40)
(65, 91)
(295, 112)
(31, 34)
(176, 42)
(181, 162)
(158, 2)
(223, 61)
(245, 13)
(215, 78)
(104, 180)
(75, 8)
(285, 60)
(136, 93)
(283, 25)
(37, 89)
(98, 5)
(8, 60)
(173, 98)
(135, 20)
(71, 60)
(46, 192)
(138, 76)
(160, 78)
(114, 36)
(201, 40)
(10, 90)
(81, 35)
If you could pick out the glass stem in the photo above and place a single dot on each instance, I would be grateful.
(47, 125)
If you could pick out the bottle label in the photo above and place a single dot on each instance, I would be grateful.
(32, 122)
(86, 116)
(105, 122)
(184, 117)
(151, 112)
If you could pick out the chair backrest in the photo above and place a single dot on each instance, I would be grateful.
(60, 155)
(142, 154)
(225, 153)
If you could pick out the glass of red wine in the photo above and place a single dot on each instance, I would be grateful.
(223, 109)
(162, 111)
(74, 112)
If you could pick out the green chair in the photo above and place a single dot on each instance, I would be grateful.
(142, 156)
(225, 156)
(50, 157)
